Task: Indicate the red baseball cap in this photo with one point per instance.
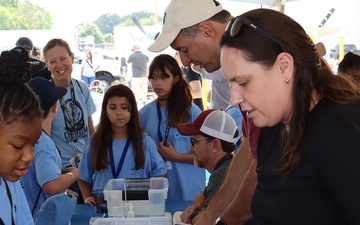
(213, 122)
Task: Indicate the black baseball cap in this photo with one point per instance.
(24, 40)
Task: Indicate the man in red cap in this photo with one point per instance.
(212, 143)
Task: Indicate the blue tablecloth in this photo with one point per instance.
(84, 212)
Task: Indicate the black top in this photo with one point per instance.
(191, 75)
(38, 69)
(325, 187)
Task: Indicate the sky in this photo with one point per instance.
(309, 13)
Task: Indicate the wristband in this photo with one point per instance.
(219, 221)
(71, 174)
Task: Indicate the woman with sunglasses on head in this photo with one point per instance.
(308, 149)
(159, 119)
(73, 124)
(20, 128)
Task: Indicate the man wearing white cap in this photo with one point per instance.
(202, 50)
(212, 143)
(194, 29)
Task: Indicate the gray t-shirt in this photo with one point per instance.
(220, 90)
(139, 63)
(217, 178)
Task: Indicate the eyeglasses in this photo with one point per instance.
(194, 141)
(234, 26)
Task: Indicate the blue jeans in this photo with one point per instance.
(88, 80)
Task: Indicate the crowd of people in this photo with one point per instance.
(280, 140)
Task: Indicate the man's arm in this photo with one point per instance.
(239, 212)
(237, 170)
(197, 205)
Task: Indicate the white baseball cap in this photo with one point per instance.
(213, 122)
(180, 14)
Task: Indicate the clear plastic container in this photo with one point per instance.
(164, 220)
(146, 197)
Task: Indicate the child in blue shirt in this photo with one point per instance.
(118, 148)
(45, 177)
(159, 119)
(20, 128)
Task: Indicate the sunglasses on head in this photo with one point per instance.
(234, 26)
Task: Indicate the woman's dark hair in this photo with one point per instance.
(350, 61)
(17, 102)
(311, 72)
(103, 135)
(180, 99)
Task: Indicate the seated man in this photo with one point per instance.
(212, 143)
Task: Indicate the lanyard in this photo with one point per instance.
(11, 203)
(167, 130)
(71, 116)
(121, 162)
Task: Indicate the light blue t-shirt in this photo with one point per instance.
(185, 180)
(235, 113)
(61, 126)
(45, 167)
(154, 164)
(20, 209)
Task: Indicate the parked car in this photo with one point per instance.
(347, 48)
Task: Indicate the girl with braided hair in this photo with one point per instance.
(20, 128)
(309, 144)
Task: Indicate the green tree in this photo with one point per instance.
(18, 15)
(128, 22)
(8, 18)
(90, 28)
(107, 22)
(35, 17)
(143, 17)
(9, 3)
(147, 21)
(109, 38)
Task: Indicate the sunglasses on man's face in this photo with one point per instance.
(234, 26)
(194, 141)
